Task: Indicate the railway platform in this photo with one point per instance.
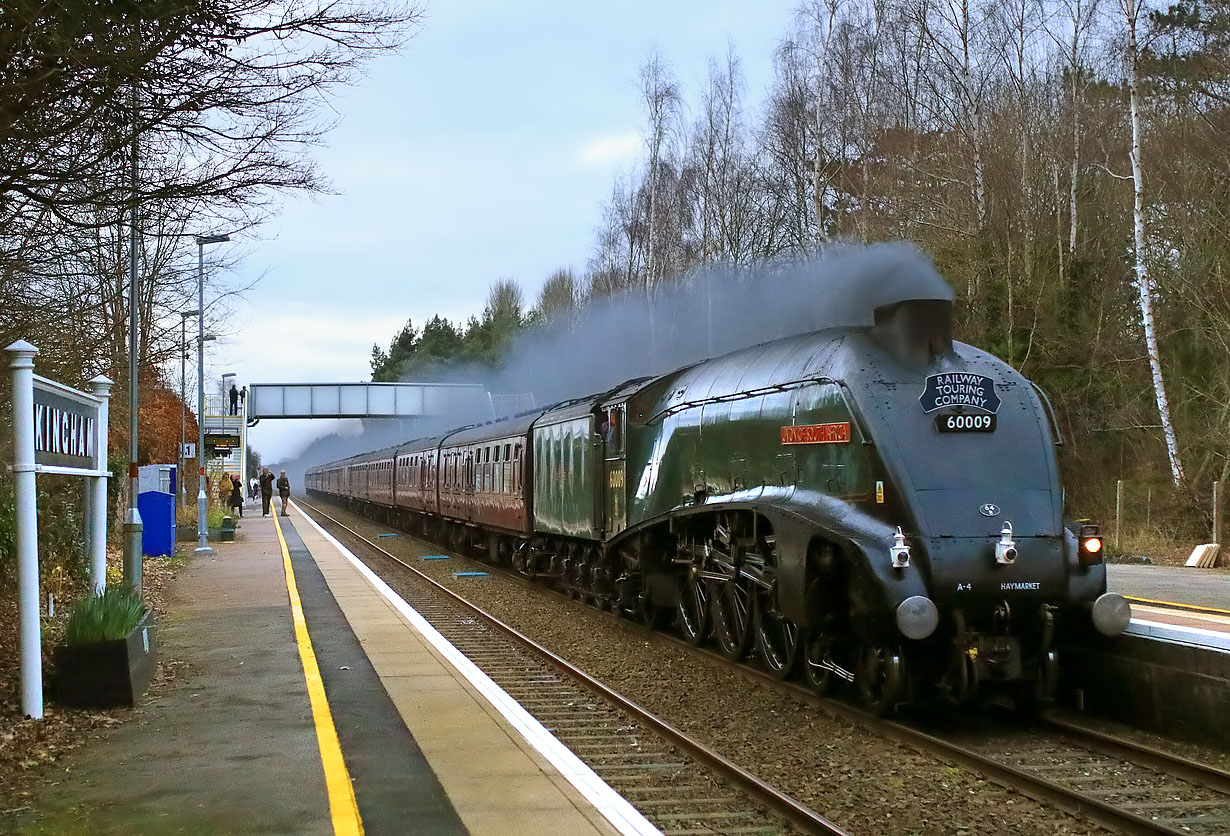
(313, 703)
(1180, 604)
(1170, 671)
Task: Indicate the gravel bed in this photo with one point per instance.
(1219, 758)
(864, 783)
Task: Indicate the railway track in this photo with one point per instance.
(1116, 783)
(682, 786)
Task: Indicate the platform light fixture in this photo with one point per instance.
(202, 499)
(183, 397)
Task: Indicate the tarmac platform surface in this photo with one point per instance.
(1176, 603)
(356, 724)
(1178, 584)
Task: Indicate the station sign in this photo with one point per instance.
(65, 426)
(221, 444)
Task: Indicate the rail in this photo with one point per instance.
(793, 811)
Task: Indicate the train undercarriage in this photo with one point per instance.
(713, 578)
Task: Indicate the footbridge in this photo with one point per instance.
(226, 426)
(365, 400)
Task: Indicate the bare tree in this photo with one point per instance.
(786, 143)
(1079, 19)
(729, 215)
(1131, 10)
(663, 106)
(558, 296)
(228, 88)
(819, 19)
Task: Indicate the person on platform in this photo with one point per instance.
(266, 490)
(284, 492)
(253, 487)
(243, 399)
(237, 497)
(234, 400)
(224, 489)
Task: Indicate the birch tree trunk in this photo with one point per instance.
(820, 16)
(1144, 288)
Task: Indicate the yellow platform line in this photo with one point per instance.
(342, 805)
(1173, 605)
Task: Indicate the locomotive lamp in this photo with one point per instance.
(899, 551)
(1091, 544)
(1005, 549)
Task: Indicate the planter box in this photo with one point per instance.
(185, 534)
(109, 673)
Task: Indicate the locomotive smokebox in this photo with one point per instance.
(915, 331)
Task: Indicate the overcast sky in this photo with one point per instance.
(485, 149)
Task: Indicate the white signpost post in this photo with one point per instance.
(56, 430)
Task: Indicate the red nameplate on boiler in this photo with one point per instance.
(817, 434)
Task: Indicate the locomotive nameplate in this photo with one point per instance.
(965, 423)
(959, 389)
(817, 434)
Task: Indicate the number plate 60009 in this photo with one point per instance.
(965, 423)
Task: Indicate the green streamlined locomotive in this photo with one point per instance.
(878, 504)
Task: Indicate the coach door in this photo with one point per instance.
(616, 456)
(470, 476)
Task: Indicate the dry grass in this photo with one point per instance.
(1161, 549)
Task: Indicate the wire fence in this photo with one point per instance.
(1150, 517)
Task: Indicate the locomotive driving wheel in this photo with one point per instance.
(693, 610)
(732, 617)
(881, 679)
(777, 637)
(730, 594)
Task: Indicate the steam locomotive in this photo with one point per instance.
(876, 504)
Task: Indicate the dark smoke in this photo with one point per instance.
(712, 312)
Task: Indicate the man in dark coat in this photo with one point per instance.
(237, 496)
(234, 400)
(266, 490)
(284, 492)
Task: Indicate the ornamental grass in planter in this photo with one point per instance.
(107, 656)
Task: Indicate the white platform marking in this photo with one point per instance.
(614, 807)
(1174, 633)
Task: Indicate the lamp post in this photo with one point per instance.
(202, 500)
(183, 396)
(227, 378)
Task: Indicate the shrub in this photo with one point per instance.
(105, 617)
